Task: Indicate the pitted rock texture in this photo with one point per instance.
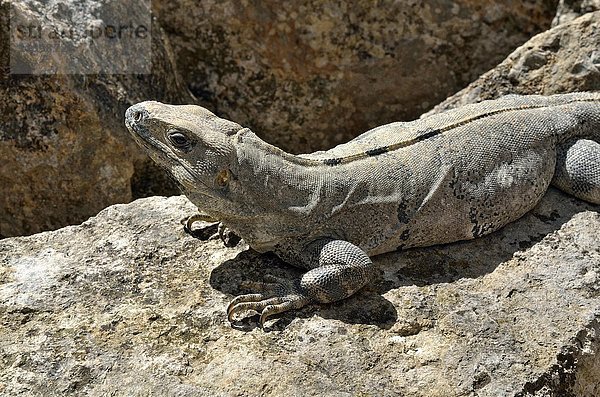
(307, 75)
(571, 9)
(65, 151)
(563, 59)
(127, 304)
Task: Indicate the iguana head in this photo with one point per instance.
(192, 143)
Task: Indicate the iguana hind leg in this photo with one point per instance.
(337, 270)
(578, 169)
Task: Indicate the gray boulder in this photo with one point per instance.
(570, 9)
(65, 151)
(565, 58)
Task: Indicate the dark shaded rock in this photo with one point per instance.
(307, 75)
(65, 151)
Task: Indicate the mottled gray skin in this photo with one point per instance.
(452, 176)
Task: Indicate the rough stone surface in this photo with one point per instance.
(127, 304)
(563, 59)
(570, 9)
(307, 75)
(65, 151)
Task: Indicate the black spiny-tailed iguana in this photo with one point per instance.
(447, 177)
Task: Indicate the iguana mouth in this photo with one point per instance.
(143, 137)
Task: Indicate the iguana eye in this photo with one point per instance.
(179, 140)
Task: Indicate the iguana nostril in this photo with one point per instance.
(138, 116)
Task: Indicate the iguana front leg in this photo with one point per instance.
(337, 270)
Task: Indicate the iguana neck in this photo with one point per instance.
(275, 181)
(266, 183)
(267, 186)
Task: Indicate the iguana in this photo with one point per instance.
(452, 176)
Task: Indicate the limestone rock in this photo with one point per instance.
(65, 151)
(127, 304)
(307, 75)
(565, 58)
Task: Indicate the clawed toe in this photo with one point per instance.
(203, 233)
(212, 231)
(228, 237)
(276, 298)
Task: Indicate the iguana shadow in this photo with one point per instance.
(418, 267)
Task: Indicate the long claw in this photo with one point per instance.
(242, 299)
(271, 310)
(203, 233)
(212, 231)
(198, 218)
(275, 298)
(229, 238)
(257, 306)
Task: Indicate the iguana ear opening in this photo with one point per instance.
(223, 177)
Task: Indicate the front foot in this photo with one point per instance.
(338, 269)
(212, 231)
(228, 237)
(203, 233)
(276, 296)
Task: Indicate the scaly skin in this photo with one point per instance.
(452, 176)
